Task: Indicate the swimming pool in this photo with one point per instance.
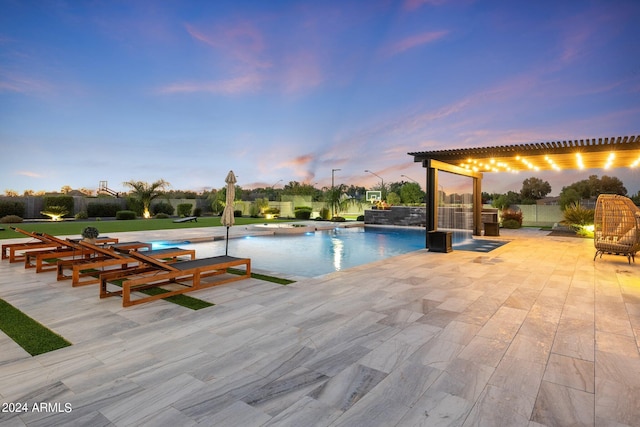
(321, 252)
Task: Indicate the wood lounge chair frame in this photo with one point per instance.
(45, 260)
(616, 226)
(15, 252)
(110, 259)
(154, 273)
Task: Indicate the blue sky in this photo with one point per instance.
(285, 91)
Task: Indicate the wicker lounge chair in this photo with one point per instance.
(111, 259)
(616, 226)
(182, 276)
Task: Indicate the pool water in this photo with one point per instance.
(317, 253)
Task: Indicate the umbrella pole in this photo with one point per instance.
(226, 249)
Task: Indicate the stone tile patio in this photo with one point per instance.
(533, 333)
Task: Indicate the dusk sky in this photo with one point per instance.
(283, 91)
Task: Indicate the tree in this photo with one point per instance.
(505, 200)
(569, 197)
(146, 192)
(332, 198)
(356, 192)
(294, 188)
(612, 185)
(411, 192)
(593, 187)
(534, 189)
(393, 198)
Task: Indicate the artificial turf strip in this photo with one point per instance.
(27, 333)
(183, 300)
(264, 277)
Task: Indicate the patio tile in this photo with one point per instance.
(534, 333)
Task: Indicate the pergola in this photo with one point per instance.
(605, 153)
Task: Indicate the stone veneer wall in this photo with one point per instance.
(397, 215)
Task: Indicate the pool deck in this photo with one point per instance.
(534, 333)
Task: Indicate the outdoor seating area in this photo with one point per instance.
(134, 264)
(616, 226)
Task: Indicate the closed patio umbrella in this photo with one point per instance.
(227, 215)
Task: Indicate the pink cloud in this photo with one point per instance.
(301, 72)
(29, 174)
(411, 5)
(413, 41)
(22, 84)
(242, 42)
(238, 85)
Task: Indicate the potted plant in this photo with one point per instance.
(90, 234)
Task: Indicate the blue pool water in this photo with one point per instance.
(317, 253)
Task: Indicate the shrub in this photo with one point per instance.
(325, 213)
(511, 223)
(393, 199)
(161, 215)
(184, 209)
(512, 215)
(125, 215)
(262, 204)
(81, 215)
(360, 218)
(10, 219)
(60, 203)
(197, 212)
(302, 212)
(338, 219)
(272, 211)
(576, 216)
(254, 210)
(90, 233)
(162, 207)
(135, 205)
(11, 208)
(55, 212)
(237, 213)
(102, 209)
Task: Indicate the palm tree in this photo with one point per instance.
(146, 192)
(337, 200)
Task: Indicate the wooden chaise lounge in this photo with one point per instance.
(154, 273)
(45, 260)
(111, 259)
(16, 252)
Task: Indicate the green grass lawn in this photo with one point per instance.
(72, 227)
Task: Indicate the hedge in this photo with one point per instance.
(11, 208)
(65, 202)
(125, 215)
(102, 209)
